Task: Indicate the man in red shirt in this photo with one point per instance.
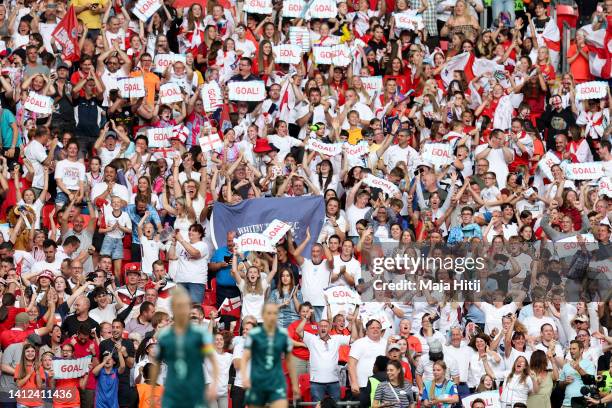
(20, 332)
(85, 345)
(300, 351)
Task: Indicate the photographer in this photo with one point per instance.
(604, 383)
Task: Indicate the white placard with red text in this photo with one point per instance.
(322, 9)
(372, 84)
(132, 87)
(212, 96)
(591, 90)
(300, 36)
(409, 20)
(386, 186)
(357, 150)
(249, 91)
(258, 6)
(72, 368)
(210, 142)
(605, 186)
(584, 171)
(144, 9)
(253, 241)
(339, 55)
(276, 230)
(170, 93)
(341, 295)
(159, 137)
(38, 103)
(287, 54)
(292, 8)
(163, 61)
(490, 398)
(549, 160)
(328, 149)
(569, 246)
(439, 154)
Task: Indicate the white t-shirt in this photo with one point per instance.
(477, 369)
(497, 162)
(107, 156)
(108, 314)
(534, 324)
(247, 47)
(493, 315)
(365, 352)
(516, 391)
(150, 253)
(396, 154)
(284, 145)
(353, 268)
(537, 208)
(111, 81)
(36, 153)
(118, 189)
(71, 173)
(354, 214)
(461, 355)
(54, 267)
(324, 356)
(252, 303)
(315, 278)
(123, 219)
(191, 270)
(237, 354)
(365, 113)
(224, 363)
(119, 38)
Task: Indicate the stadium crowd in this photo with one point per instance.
(423, 134)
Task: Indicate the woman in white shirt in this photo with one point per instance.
(482, 360)
(224, 362)
(253, 287)
(519, 384)
(189, 257)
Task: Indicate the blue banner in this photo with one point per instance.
(254, 215)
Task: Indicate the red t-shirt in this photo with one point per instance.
(301, 352)
(82, 350)
(9, 322)
(13, 336)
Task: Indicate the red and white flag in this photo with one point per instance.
(461, 62)
(66, 35)
(600, 50)
(287, 100)
(231, 304)
(552, 36)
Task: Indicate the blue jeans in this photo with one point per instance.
(499, 6)
(318, 312)
(196, 291)
(319, 390)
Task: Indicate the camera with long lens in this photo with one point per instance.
(591, 387)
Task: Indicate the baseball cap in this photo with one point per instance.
(35, 340)
(132, 267)
(22, 318)
(393, 346)
(63, 65)
(111, 133)
(435, 347)
(47, 274)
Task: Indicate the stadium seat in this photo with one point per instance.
(566, 14)
(46, 210)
